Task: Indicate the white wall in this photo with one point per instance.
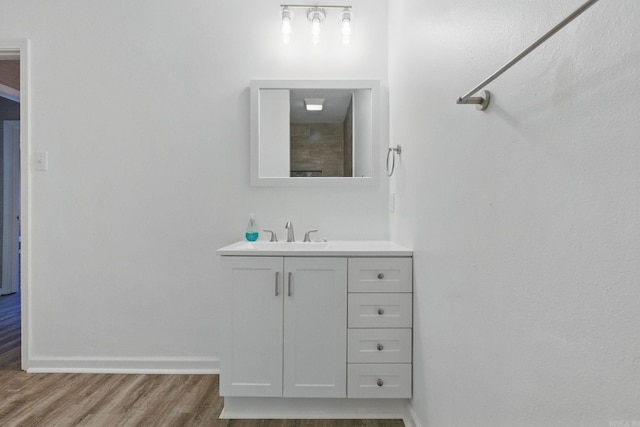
(143, 108)
(524, 218)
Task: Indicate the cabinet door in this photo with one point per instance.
(252, 360)
(315, 327)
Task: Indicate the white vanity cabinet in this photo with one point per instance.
(316, 328)
(286, 334)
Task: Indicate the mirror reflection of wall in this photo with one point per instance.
(321, 132)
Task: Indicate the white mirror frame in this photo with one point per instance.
(257, 85)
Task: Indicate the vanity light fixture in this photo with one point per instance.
(315, 15)
(314, 104)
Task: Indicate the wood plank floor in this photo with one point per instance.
(116, 400)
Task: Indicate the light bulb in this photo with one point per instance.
(315, 27)
(346, 27)
(315, 31)
(346, 31)
(286, 25)
(286, 30)
(345, 18)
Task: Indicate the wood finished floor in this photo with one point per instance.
(107, 400)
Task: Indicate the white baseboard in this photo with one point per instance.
(415, 420)
(302, 408)
(124, 365)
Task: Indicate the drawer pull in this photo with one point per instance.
(380, 347)
(380, 276)
(381, 311)
(380, 382)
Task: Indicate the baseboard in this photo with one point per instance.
(304, 408)
(413, 417)
(124, 365)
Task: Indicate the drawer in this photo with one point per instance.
(379, 380)
(380, 310)
(380, 275)
(379, 346)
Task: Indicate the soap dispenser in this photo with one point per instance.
(252, 229)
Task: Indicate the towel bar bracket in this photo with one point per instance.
(482, 102)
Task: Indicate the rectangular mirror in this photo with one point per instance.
(313, 132)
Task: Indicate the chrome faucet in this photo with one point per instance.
(307, 234)
(274, 238)
(289, 227)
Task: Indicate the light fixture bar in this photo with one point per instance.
(307, 6)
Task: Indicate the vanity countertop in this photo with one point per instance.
(353, 248)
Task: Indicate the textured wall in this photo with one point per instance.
(524, 218)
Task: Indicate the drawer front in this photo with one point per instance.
(380, 275)
(379, 346)
(379, 381)
(380, 310)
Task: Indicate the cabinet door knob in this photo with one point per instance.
(380, 347)
(380, 276)
(380, 382)
(381, 311)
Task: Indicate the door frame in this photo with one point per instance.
(20, 49)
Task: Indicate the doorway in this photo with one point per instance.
(14, 136)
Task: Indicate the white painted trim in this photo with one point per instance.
(415, 420)
(10, 48)
(303, 408)
(124, 365)
(9, 55)
(9, 93)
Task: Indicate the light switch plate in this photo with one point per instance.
(40, 160)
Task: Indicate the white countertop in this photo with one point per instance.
(360, 248)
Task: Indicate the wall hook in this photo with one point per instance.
(393, 150)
